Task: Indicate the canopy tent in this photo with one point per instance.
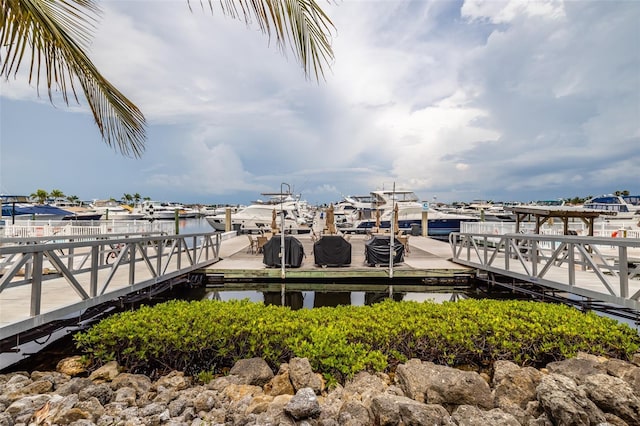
(332, 250)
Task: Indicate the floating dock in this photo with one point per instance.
(426, 263)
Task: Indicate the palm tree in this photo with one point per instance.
(56, 34)
(56, 194)
(41, 195)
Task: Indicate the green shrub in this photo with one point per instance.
(207, 337)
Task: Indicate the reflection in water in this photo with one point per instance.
(317, 299)
(293, 299)
(331, 299)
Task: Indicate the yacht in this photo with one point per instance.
(258, 216)
(617, 206)
(156, 210)
(19, 207)
(112, 210)
(410, 211)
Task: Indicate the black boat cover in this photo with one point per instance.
(293, 252)
(376, 251)
(332, 250)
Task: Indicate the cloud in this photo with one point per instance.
(506, 100)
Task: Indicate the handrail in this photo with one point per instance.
(601, 268)
(98, 270)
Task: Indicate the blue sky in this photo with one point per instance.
(458, 100)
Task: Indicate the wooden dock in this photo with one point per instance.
(427, 262)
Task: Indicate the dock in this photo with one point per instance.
(425, 263)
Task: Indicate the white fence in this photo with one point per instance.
(603, 229)
(33, 228)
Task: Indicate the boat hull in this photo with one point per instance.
(435, 227)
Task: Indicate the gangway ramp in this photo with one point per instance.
(598, 269)
(45, 281)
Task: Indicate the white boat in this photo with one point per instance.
(113, 210)
(410, 211)
(618, 207)
(157, 210)
(259, 215)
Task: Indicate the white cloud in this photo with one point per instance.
(490, 99)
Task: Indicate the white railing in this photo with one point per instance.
(48, 228)
(609, 229)
(599, 268)
(43, 281)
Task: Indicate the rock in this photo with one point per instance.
(175, 381)
(577, 368)
(303, 405)
(302, 376)
(107, 372)
(514, 396)
(565, 403)
(436, 384)
(140, 383)
(72, 366)
(400, 410)
(354, 413)
(280, 384)
(472, 416)
(514, 389)
(255, 371)
(613, 395)
(626, 371)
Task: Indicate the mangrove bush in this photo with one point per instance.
(208, 337)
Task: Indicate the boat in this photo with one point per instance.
(19, 207)
(439, 224)
(157, 210)
(112, 210)
(617, 206)
(410, 212)
(258, 216)
(77, 209)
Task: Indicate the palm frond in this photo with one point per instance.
(55, 35)
(300, 23)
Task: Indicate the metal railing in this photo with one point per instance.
(43, 280)
(600, 268)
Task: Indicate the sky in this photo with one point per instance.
(455, 100)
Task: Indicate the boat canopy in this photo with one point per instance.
(32, 209)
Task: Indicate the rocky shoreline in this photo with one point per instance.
(585, 390)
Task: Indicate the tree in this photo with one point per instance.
(127, 198)
(56, 194)
(40, 195)
(55, 35)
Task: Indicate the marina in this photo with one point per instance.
(56, 275)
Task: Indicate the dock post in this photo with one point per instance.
(425, 223)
